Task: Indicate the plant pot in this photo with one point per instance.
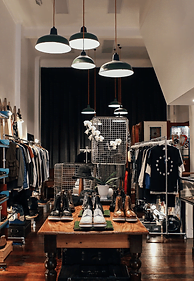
(103, 191)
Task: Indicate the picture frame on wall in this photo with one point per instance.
(154, 129)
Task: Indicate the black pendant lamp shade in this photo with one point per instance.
(83, 40)
(88, 110)
(53, 43)
(83, 62)
(114, 104)
(116, 68)
(120, 111)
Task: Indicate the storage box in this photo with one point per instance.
(5, 251)
(18, 230)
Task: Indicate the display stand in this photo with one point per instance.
(153, 142)
(3, 206)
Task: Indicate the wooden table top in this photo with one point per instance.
(64, 227)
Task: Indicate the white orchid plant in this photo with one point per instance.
(92, 132)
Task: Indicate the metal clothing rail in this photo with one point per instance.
(16, 138)
(156, 141)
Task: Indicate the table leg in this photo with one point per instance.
(135, 263)
(50, 263)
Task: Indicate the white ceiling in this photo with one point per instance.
(99, 19)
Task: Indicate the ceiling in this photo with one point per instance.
(99, 19)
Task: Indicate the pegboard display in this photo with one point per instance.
(112, 147)
(63, 173)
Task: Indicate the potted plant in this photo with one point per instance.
(103, 185)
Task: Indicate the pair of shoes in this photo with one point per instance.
(124, 214)
(92, 213)
(63, 207)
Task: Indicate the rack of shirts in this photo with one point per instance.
(28, 164)
(157, 167)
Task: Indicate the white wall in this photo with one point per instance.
(7, 56)
(165, 28)
(17, 57)
(27, 85)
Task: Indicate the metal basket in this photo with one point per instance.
(111, 128)
(63, 173)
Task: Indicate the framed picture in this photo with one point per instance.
(154, 129)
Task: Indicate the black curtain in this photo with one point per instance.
(64, 94)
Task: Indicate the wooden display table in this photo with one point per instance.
(58, 234)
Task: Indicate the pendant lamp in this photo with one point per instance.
(120, 111)
(114, 103)
(89, 40)
(116, 68)
(88, 109)
(53, 43)
(83, 62)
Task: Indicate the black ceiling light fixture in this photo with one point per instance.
(53, 43)
(116, 68)
(88, 109)
(83, 40)
(83, 61)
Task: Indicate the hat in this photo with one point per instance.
(83, 172)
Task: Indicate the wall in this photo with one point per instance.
(165, 27)
(7, 56)
(27, 85)
(17, 65)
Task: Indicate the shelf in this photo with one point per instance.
(4, 114)
(4, 143)
(6, 198)
(6, 172)
(4, 223)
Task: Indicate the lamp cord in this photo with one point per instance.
(95, 81)
(116, 25)
(83, 21)
(115, 88)
(88, 87)
(53, 13)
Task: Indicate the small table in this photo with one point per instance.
(58, 234)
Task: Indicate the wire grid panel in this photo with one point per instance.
(63, 173)
(111, 128)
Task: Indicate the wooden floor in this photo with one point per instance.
(171, 260)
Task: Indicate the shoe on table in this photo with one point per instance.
(98, 218)
(119, 214)
(66, 214)
(56, 212)
(130, 215)
(71, 205)
(86, 219)
(112, 204)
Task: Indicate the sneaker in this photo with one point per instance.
(66, 211)
(56, 212)
(86, 219)
(98, 218)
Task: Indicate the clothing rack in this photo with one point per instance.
(19, 139)
(153, 142)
